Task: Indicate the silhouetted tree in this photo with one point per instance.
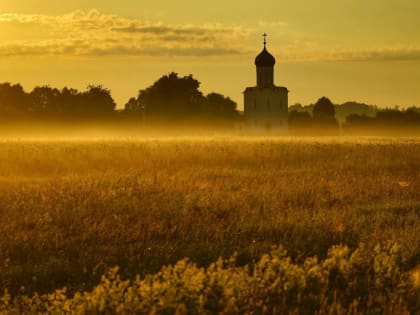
(97, 100)
(348, 108)
(217, 105)
(14, 101)
(299, 119)
(324, 109)
(386, 121)
(324, 116)
(133, 106)
(176, 97)
(300, 122)
(359, 120)
(297, 107)
(44, 100)
(171, 96)
(390, 116)
(69, 101)
(133, 109)
(413, 115)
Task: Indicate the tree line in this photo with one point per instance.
(170, 97)
(175, 98)
(44, 101)
(390, 117)
(322, 117)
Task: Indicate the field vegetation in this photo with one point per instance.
(232, 226)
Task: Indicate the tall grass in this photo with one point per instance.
(70, 210)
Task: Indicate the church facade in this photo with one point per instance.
(266, 105)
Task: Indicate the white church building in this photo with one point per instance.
(266, 105)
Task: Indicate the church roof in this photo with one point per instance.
(265, 59)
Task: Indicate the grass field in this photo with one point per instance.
(71, 210)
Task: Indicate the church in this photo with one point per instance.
(266, 105)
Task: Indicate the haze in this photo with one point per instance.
(367, 51)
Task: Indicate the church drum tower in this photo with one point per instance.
(266, 105)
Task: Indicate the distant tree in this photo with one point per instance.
(414, 109)
(70, 101)
(413, 115)
(299, 119)
(44, 100)
(324, 110)
(396, 117)
(14, 101)
(296, 108)
(98, 100)
(300, 122)
(348, 108)
(217, 105)
(133, 106)
(324, 116)
(172, 96)
(358, 120)
(387, 121)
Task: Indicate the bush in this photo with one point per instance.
(363, 281)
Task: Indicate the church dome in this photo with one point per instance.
(265, 59)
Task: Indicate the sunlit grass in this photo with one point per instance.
(72, 209)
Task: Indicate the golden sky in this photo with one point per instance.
(358, 50)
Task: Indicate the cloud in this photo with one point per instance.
(161, 29)
(276, 25)
(384, 54)
(188, 51)
(92, 33)
(307, 51)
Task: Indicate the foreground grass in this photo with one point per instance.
(360, 282)
(69, 211)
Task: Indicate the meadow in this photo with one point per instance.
(210, 225)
